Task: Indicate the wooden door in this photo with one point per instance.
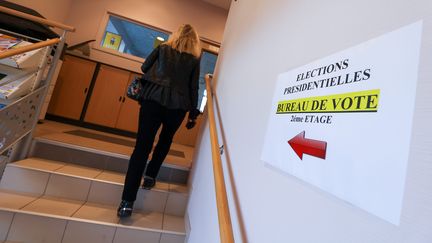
(129, 112)
(107, 96)
(71, 89)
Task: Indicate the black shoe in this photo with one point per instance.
(125, 209)
(149, 182)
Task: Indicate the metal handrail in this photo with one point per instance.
(224, 217)
(31, 47)
(19, 147)
(37, 19)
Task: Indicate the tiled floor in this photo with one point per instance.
(55, 131)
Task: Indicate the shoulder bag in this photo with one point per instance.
(135, 89)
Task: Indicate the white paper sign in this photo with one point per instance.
(343, 123)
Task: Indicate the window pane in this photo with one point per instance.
(208, 63)
(131, 38)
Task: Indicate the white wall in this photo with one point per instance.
(51, 9)
(87, 16)
(266, 38)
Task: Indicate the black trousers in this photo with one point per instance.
(152, 116)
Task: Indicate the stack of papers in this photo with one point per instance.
(18, 73)
(18, 87)
(26, 60)
(7, 42)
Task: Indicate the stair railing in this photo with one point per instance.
(17, 138)
(40, 20)
(225, 225)
(17, 51)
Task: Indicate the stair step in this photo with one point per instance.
(172, 170)
(49, 219)
(62, 180)
(52, 201)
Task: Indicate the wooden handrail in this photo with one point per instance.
(225, 225)
(37, 19)
(31, 47)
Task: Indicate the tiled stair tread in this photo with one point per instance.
(61, 168)
(124, 151)
(178, 188)
(90, 143)
(91, 212)
(173, 223)
(77, 170)
(52, 150)
(22, 179)
(118, 178)
(41, 164)
(55, 206)
(12, 200)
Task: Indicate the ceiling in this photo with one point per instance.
(225, 4)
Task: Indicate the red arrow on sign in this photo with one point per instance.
(302, 145)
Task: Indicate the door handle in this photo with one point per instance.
(123, 99)
(120, 98)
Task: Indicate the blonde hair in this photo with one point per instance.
(185, 39)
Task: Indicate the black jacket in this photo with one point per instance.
(178, 71)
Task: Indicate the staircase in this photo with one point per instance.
(66, 193)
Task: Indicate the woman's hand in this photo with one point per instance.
(190, 124)
(193, 114)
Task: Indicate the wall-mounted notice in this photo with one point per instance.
(343, 123)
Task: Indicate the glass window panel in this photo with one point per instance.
(131, 38)
(138, 40)
(208, 63)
